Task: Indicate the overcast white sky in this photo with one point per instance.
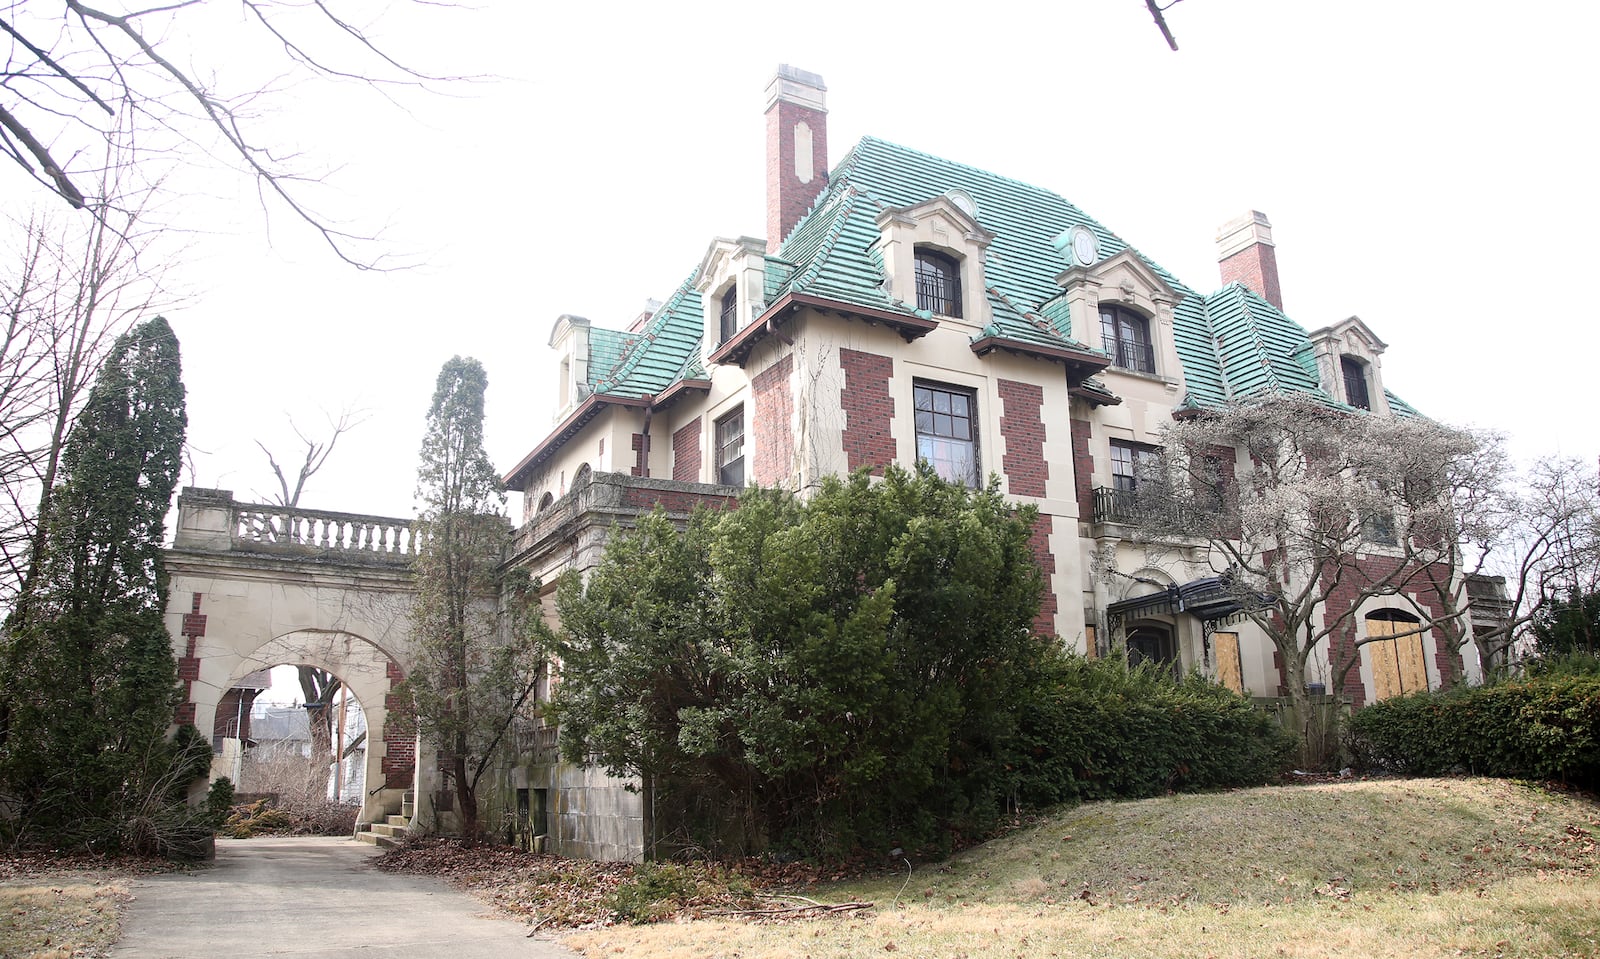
(1429, 167)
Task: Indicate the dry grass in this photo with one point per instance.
(60, 917)
(1415, 869)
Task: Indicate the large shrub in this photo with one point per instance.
(1546, 727)
(1098, 730)
(858, 671)
(823, 675)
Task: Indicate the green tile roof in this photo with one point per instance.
(1232, 343)
(656, 356)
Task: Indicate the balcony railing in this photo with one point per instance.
(1115, 505)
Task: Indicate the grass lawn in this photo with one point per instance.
(60, 915)
(1396, 868)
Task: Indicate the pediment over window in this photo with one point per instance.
(939, 226)
(732, 285)
(1123, 278)
(1353, 336)
(1348, 369)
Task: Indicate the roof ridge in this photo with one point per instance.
(1216, 347)
(846, 205)
(959, 165)
(1262, 353)
(1032, 317)
(634, 352)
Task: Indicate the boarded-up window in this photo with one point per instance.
(1230, 669)
(1398, 665)
(1090, 650)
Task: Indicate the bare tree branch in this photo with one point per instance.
(128, 65)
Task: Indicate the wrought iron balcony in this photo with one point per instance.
(1115, 505)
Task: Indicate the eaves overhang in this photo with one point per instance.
(1094, 395)
(677, 390)
(568, 428)
(1080, 364)
(737, 348)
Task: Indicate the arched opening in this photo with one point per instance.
(246, 705)
(296, 736)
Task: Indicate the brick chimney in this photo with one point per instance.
(1245, 254)
(797, 149)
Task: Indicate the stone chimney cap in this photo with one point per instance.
(1243, 232)
(797, 86)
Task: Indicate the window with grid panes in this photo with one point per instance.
(1126, 335)
(938, 283)
(728, 319)
(947, 431)
(730, 449)
(1355, 382)
(1128, 460)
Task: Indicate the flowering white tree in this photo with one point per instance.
(1307, 512)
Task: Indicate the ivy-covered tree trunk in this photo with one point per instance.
(474, 663)
(91, 683)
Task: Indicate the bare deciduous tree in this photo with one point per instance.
(68, 287)
(1307, 512)
(151, 80)
(320, 687)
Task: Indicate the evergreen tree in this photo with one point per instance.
(90, 683)
(832, 674)
(474, 666)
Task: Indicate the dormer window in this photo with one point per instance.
(728, 317)
(938, 283)
(1126, 336)
(1355, 382)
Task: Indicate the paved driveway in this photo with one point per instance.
(313, 898)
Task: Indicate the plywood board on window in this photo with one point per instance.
(1230, 670)
(1398, 665)
(1090, 649)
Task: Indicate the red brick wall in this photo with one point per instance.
(868, 409)
(1045, 623)
(1256, 267)
(686, 452)
(194, 626)
(676, 500)
(787, 198)
(1022, 427)
(641, 455)
(399, 739)
(772, 423)
(1341, 643)
(1083, 468)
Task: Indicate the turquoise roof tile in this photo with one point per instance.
(657, 355)
(1231, 343)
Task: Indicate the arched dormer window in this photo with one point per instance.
(1126, 336)
(728, 315)
(545, 502)
(1355, 382)
(938, 283)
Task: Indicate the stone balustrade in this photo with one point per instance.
(213, 520)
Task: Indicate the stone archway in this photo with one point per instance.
(254, 586)
(370, 674)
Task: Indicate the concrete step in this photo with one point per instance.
(408, 809)
(377, 839)
(386, 829)
(401, 820)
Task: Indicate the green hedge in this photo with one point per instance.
(1097, 730)
(1542, 728)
